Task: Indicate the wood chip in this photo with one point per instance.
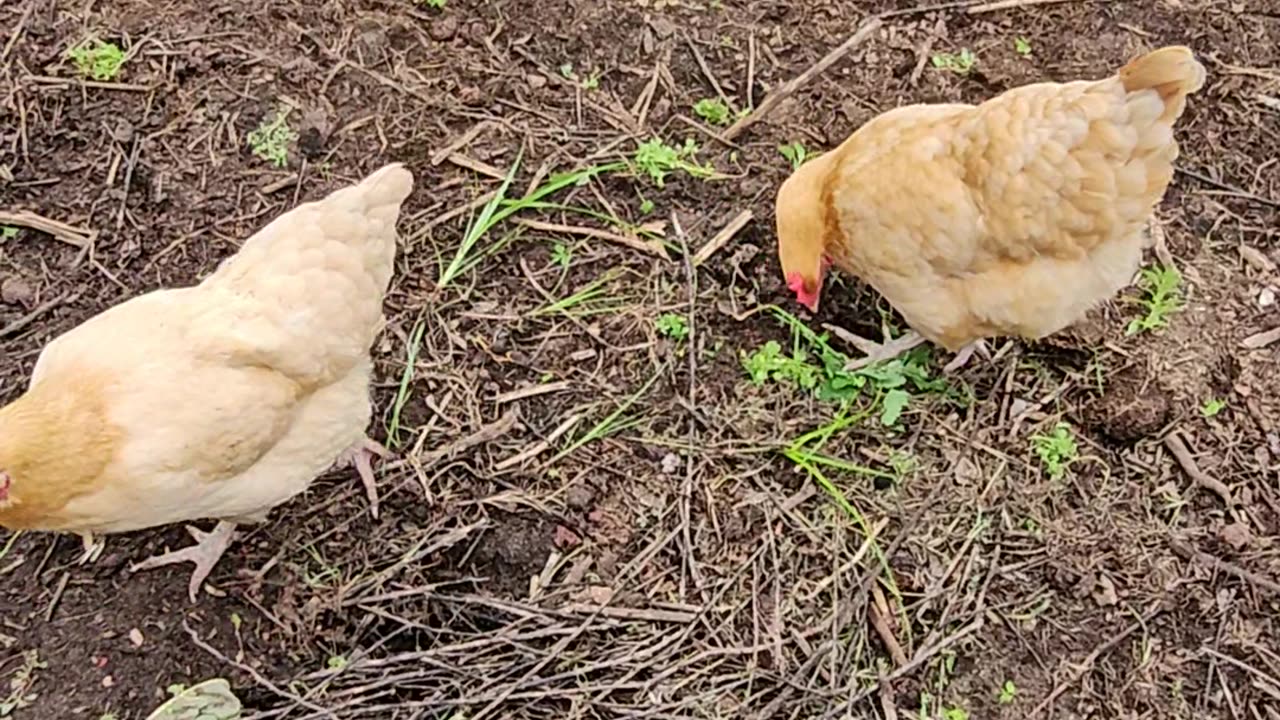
(722, 238)
(1261, 340)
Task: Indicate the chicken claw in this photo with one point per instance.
(966, 352)
(875, 352)
(204, 554)
(92, 548)
(361, 456)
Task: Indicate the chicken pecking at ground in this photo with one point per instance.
(216, 401)
(1013, 217)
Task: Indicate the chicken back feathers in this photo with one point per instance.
(1013, 217)
(220, 400)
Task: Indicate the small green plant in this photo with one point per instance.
(960, 63)
(336, 662)
(646, 206)
(828, 378)
(673, 326)
(1212, 407)
(1161, 298)
(713, 110)
(97, 59)
(795, 153)
(1022, 46)
(955, 713)
(270, 140)
(658, 160)
(561, 254)
(436, 4)
(771, 363)
(8, 232)
(21, 681)
(1007, 693)
(1056, 451)
(590, 82)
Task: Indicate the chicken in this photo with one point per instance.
(221, 400)
(1013, 217)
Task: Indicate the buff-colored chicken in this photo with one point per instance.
(221, 400)
(1013, 217)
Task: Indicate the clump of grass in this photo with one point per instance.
(960, 63)
(657, 159)
(271, 139)
(592, 299)
(1161, 298)
(500, 207)
(672, 325)
(1022, 46)
(406, 382)
(713, 110)
(1056, 450)
(98, 60)
(795, 153)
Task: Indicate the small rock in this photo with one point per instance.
(443, 29)
(108, 681)
(535, 81)
(670, 463)
(1267, 297)
(135, 637)
(1237, 535)
(16, 291)
(1104, 592)
(566, 538)
(579, 497)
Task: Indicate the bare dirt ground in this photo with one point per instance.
(601, 515)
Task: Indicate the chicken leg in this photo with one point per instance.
(204, 554)
(361, 456)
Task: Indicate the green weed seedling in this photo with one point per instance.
(795, 153)
(1056, 451)
(1022, 46)
(270, 140)
(673, 326)
(8, 232)
(960, 63)
(955, 713)
(1007, 693)
(97, 60)
(658, 160)
(435, 4)
(1212, 407)
(713, 110)
(1161, 298)
(406, 382)
(561, 255)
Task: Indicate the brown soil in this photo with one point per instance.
(731, 579)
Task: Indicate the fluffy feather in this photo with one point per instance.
(220, 400)
(1013, 217)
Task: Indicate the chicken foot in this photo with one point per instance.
(361, 455)
(889, 349)
(93, 548)
(966, 353)
(204, 554)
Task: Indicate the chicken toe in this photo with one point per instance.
(204, 554)
(92, 548)
(875, 352)
(962, 358)
(361, 456)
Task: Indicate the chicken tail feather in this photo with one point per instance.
(1173, 72)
